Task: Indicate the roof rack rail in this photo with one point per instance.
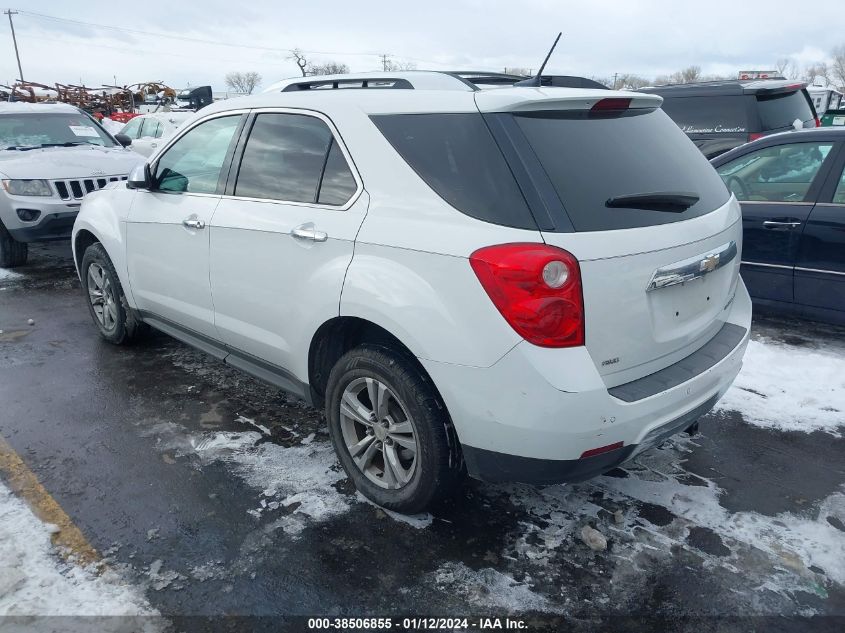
(352, 82)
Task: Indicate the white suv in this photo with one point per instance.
(528, 284)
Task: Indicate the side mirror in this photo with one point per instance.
(124, 140)
(140, 178)
(798, 124)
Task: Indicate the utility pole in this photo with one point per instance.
(385, 60)
(614, 80)
(10, 13)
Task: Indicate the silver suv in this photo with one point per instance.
(51, 156)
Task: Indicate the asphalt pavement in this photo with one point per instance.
(220, 496)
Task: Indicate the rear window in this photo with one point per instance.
(455, 154)
(591, 160)
(708, 115)
(780, 110)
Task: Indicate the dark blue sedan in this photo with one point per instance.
(792, 190)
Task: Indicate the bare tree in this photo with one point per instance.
(393, 66)
(628, 81)
(782, 65)
(837, 67)
(328, 68)
(243, 82)
(299, 57)
(814, 71)
(523, 72)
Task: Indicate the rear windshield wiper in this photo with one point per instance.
(22, 148)
(669, 201)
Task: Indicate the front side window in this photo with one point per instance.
(133, 128)
(150, 129)
(294, 158)
(782, 173)
(34, 130)
(193, 164)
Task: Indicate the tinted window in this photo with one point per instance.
(338, 184)
(780, 110)
(455, 154)
(782, 173)
(593, 159)
(284, 158)
(194, 162)
(708, 115)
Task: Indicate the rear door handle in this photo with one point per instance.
(775, 224)
(308, 231)
(193, 223)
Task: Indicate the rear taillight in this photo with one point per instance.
(818, 122)
(754, 136)
(537, 288)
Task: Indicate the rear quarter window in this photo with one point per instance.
(456, 155)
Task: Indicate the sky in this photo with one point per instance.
(208, 38)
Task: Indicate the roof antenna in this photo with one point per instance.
(535, 80)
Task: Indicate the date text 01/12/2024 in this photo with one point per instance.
(418, 623)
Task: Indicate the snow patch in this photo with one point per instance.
(35, 582)
(245, 420)
(489, 588)
(417, 521)
(300, 478)
(789, 388)
(6, 274)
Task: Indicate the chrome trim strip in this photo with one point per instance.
(830, 204)
(767, 265)
(819, 270)
(801, 203)
(692, 268)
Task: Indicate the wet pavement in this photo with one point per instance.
(219, 495)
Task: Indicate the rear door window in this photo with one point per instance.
(708, 115)
(456, 155)
(593, 159)
(779, 111)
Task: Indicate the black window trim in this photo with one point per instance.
(238, 154)
(227, 161)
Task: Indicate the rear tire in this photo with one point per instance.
(400, 452)
(12, 252)
(107, 303)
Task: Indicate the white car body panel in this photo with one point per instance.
(167, 262)
(397, 255)
(262, 276)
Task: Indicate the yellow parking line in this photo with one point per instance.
(69, 540)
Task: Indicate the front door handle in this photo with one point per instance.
(193, 223)
(308, 231)
(775, 224)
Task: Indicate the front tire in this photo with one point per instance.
(12, 252)
(391, 430)
(106, 300)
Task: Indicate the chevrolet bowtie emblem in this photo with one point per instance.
(709, 263)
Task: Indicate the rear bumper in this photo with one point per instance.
(514, 425)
